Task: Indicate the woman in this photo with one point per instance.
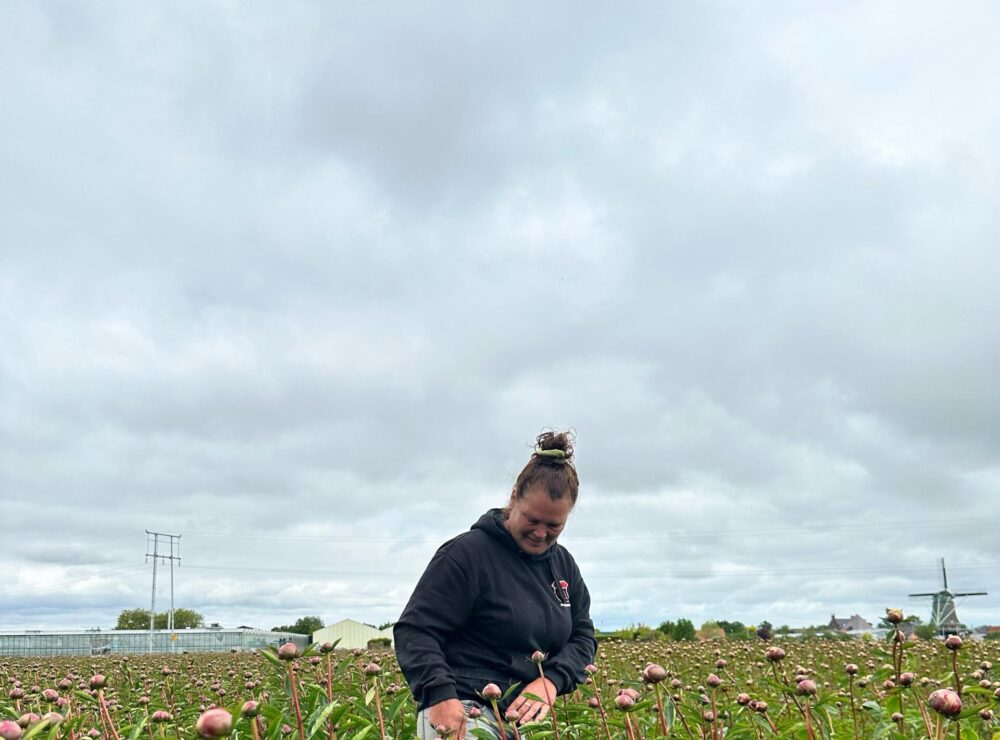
(495, 595)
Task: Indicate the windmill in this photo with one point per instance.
(943, 615)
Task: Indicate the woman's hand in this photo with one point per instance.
(448, 716)
(533, 710)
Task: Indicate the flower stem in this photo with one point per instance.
(295, 700)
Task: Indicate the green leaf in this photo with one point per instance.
(361, 735)
(35, 729)
(138, 729)
(271, 655)
(322, 718)
(369, 696)
(510, 690)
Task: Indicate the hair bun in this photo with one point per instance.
(555, 447)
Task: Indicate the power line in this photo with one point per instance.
(987, 523)
(618, 574)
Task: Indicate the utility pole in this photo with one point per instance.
(156, 558)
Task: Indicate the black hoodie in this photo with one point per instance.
(482, 607)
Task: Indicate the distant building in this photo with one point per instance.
(351, 634)
(854, 624)
(120, 642)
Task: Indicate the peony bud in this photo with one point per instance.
(10, 730)
(713, 681)
(953, 642)
(653, 673)
(624, 702)
(894, 616)
(28, 719)
(250, 709)
(373, 669)
(806, 687)
(537, 657)
(98, 681)
(214, 723)
(288, 651)
(491, 692)
(161, 715)
(946, 702)
(775, 654)
(851, 669)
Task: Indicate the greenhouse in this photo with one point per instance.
(118, 642)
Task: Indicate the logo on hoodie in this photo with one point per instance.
(561, 590)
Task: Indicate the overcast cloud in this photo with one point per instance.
(301, 283)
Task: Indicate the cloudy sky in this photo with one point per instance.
(300, 283)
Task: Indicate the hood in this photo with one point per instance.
(492, 524)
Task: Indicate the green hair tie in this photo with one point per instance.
(558, 456)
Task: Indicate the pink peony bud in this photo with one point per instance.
(624, 702)
(161, 715)
(774, 654)
(851, 669)
(743, 699)
(53, 718)
(653, 673)
(491, 692)
(593, 702)
(590, 668)
(372, 669)
(10, 730)
(475, 712)
(288, 651)
(250, 709)
(214, 723)
(537, 657)
(946, 702)
(906, 679)
(27, 719)
(50, 695)
(326, 647)
(713, 681)
(98, 681)
(953, 642)
(806, 687)
(894, 616)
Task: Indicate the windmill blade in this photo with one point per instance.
(934, 594)
(944, 575)
(972, 593)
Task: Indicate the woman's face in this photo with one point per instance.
(535, 521)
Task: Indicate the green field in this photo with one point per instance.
(714, 689)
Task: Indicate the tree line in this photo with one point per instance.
(138, 619)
